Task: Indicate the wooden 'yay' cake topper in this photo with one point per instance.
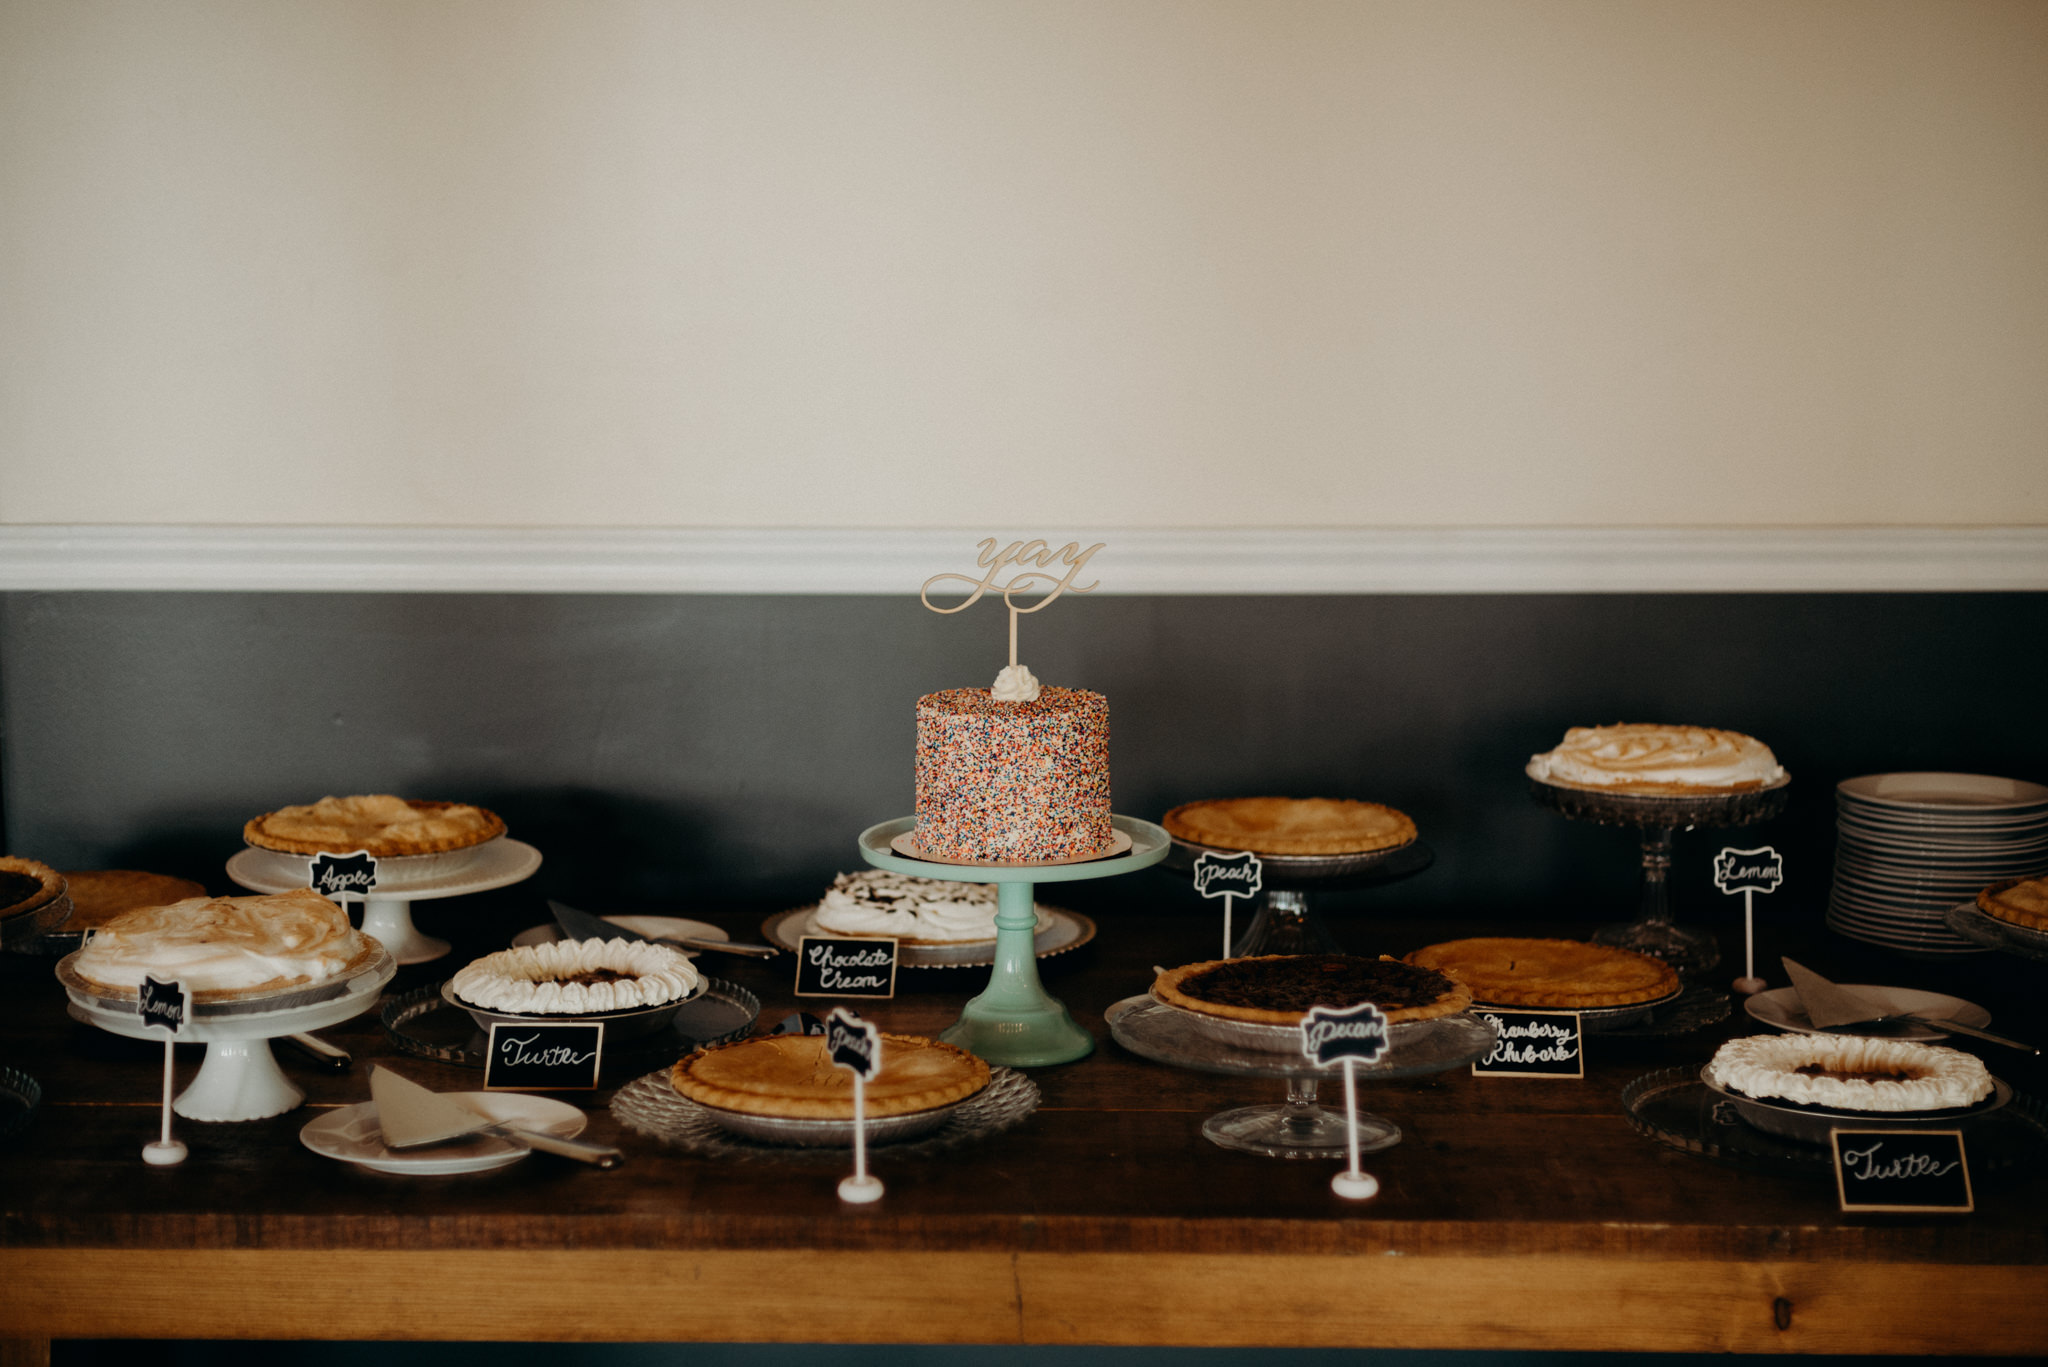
(1071, 557)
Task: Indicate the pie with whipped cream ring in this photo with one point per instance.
(793, 1076)
(2018, 901)
(577, 978)
(1291, 825)
(1279, 989)
(1658, 760)
(384, 826)
(1561, 974)
(1850, 1073)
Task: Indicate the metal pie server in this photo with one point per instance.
(1830, 1006)
(581, 925)
(411, 1115)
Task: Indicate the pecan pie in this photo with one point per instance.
(1278, 989)
(384, 826)
(2022, 901)
(1291, 825)
(1565, 974)
(26, 885)
(793, 1076)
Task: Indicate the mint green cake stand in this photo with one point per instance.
(1015, 1022)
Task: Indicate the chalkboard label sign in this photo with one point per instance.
(852, 967)
(1532, 1044)
(853, 1044)
(331, 875)
(1329, 1034)
(1228, 875)
(1902, 1171)
(163, 1006)
(1757, 870)
(544, 1058)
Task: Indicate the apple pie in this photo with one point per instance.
(1291, 825)
(1563, 974)
(2021, 901)
(1278, 989)
(384, 826)
(792, 1076)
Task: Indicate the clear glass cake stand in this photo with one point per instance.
(1297, 1127)
(1658, 820)
(1015, 1021)
(1287, 922)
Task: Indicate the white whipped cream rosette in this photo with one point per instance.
(1642, 755)
(223, 944)
(547, 979)
(880, 902)
(1850, 1072)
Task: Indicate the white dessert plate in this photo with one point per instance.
(653, 927)
(351, 1135)
(1780, 1009)
(1944, 792)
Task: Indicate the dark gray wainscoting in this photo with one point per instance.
(665, 749)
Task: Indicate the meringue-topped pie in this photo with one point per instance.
(1291, 825)
(1656, 760)
(225, 948)
(793, 1076)
(1564, 974)
(1278, 989)
(378, 823)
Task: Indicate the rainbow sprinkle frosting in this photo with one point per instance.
(1013, 782)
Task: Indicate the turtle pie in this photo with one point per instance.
(1652, 759)
(1291, 825)
(577, 978)
(793, 1076)
(1850, 1072)
(1566, 974)
(99, 895)
(26, 885)
(384, 826)
(1278, 989)
(2021, 901)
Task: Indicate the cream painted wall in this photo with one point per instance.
(1075, 262)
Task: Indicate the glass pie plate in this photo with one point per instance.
(1810, 1124)
(837, 1132)
(630, 1023)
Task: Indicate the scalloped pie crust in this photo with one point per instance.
(1278, 989)
(1291, 825)
(792, 1076)
(1565, 974)
(386, 827)
(2019, 901)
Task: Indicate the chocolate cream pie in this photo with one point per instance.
(384, 826)
(1850, 1073)
(1291, 825)
(793, 1076)
(1278, 989)
(1565, 975)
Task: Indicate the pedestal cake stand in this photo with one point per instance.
(1298, 1127)
(1015, 1022)
(387, 912)
(1658, 820)
(240, 1079)
(1286, 922)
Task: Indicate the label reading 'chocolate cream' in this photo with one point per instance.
(852, 967)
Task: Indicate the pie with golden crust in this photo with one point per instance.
(1278, 989)
(1291, 825)
(385, 826)
(1566, 974)
(27, 885)
(2021, 901)
(99, 895)
(794, 1076)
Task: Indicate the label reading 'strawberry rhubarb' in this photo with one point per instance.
(1532, 1044)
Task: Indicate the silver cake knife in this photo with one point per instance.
(1831, 1006)
(581, 925)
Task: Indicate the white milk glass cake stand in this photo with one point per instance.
(239, 1079)
(1297, 1127)
(401, 881)
(1015, 1022)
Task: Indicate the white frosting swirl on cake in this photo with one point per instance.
(1015, 684)
(541, 980)
(223, 944)
(880, 902)
(1850, 1072)
(1642, 754)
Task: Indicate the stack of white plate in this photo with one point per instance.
(1911, 846)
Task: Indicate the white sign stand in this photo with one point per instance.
(856, 1045)
(1749, 872)
(164, 1151)
(1353, 1184)
(1212, 869)
(1328, 1035)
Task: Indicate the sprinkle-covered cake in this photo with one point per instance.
(1003, 780)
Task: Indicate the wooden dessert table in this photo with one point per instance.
(1515, 1213)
